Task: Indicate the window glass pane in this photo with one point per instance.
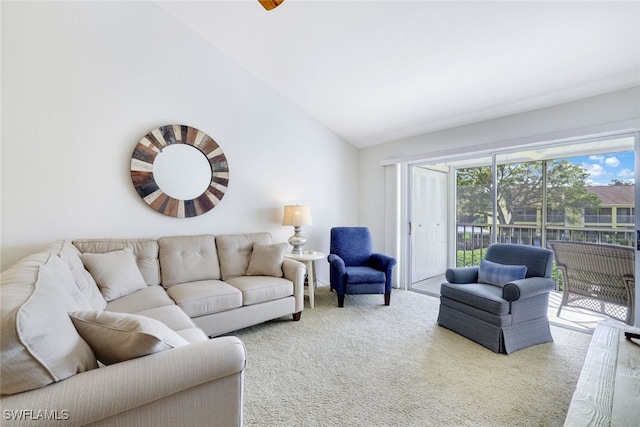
(474, 208)
(519, 204)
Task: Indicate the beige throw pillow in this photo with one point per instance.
(39, 343)
(266, 260)
(116, 337)
(116, 273)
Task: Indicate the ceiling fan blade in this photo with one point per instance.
(270, 4)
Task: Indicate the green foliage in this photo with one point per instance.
(519, 188)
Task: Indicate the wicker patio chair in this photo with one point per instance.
(597, 277)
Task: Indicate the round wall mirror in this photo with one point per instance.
(179, 171)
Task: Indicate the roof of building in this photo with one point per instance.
(614, 195)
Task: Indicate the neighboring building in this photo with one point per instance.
(616, 207)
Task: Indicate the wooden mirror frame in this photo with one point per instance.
(145, 184)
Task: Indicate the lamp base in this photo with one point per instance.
(297, 241)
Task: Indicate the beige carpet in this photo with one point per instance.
(371, 365)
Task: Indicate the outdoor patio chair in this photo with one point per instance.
(597, 277)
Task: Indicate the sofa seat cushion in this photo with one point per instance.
(193, 335)
(258, 289)
(144, 299)
(362, 274)
(116, 337)
(170, 315)
(39, 344)
(479, 295)
(205, 297)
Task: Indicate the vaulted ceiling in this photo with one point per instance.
(377, 71)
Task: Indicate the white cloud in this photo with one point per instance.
(598, 159)
(614, 162)
(626, 173)
(594, 170)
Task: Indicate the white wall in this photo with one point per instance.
(566, 118)
(83, 82)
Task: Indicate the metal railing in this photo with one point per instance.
(473, 239)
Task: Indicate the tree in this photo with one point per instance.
(618, 183)
(520, 188)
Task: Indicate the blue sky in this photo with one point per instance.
(604, 168)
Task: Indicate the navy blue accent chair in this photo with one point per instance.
(353, 266)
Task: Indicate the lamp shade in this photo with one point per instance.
(297, 215)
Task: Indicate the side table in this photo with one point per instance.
(308, 258)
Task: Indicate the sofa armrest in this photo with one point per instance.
(462, 275)
(526, 288)
(127, 393)
(295, 271)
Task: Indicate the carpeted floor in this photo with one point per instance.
(371, 365)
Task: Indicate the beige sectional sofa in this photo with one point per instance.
(116, 331)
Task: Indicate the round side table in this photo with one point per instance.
(308, 258)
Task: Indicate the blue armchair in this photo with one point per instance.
(354, 268)
(501, 304)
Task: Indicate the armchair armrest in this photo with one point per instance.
(336, 262)
(462, 275)
(336, 273)
(295, 271)
(526, 288)
(149, 391)
(382, 262)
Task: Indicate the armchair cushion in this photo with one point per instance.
(364, 274)
(496, 274)
(478, 295)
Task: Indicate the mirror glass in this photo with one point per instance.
(182, 171)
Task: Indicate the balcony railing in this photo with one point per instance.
(473, 239)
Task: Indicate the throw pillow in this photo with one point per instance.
(116, 273)
(266, 260)
(116, 337)
(496, 274)
(40, 346)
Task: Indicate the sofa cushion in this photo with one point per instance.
(266, 260)
(116, 273)
(84, 280)
(145, 250)
(115, 337)
(234, 252)
(170, 315)
(496, 274)
(39, 344)
(193, 335)
(205, 297)
(257, 289)
(144, 299)
(188, 259)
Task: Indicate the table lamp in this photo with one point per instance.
(297, 216)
